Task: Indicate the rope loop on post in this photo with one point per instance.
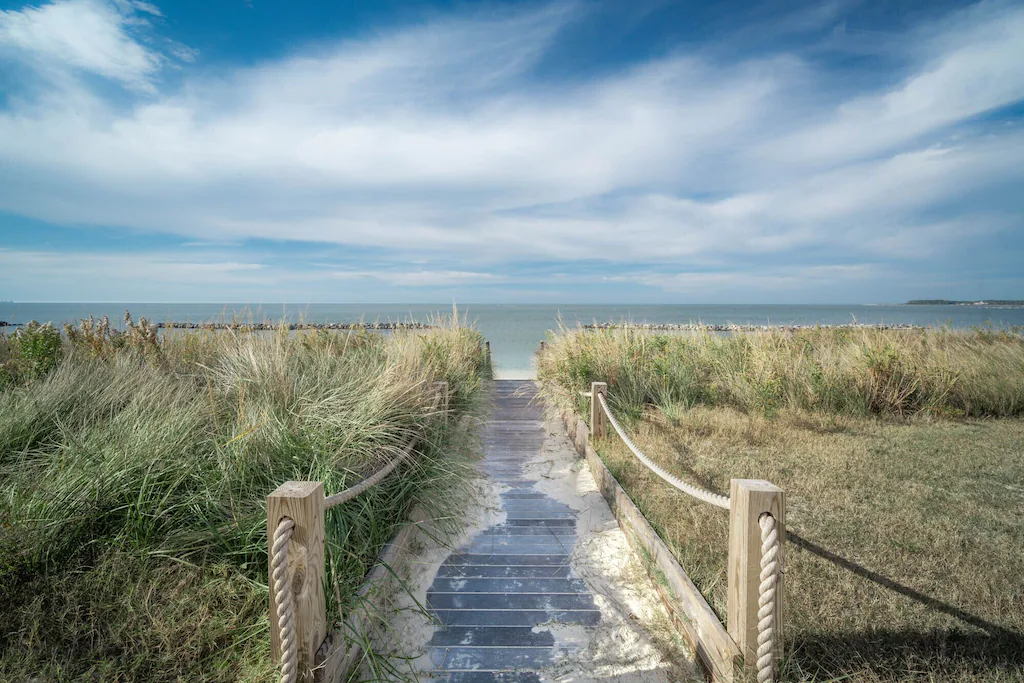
(766, 598)
(284, 599)
(695, 491)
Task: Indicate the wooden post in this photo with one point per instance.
(303, 502)
(597, 418)
(487, 347)
(750, 498)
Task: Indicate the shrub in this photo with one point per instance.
(31, 352)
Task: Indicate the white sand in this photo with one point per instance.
(620, 647)
(410, 627)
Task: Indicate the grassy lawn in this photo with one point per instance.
(908, 534)
(134, 471)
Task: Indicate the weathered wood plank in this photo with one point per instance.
(342, 649)
(715, 649)
(303, 502)
(511, 601)
(497, 617)
(750, 498)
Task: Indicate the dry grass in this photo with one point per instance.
(133, 478)
(863, 371)
(909, 534)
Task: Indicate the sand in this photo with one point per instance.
(633, 642)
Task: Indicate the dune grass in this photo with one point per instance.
(905, 503)
(133, 478)
(859, 371)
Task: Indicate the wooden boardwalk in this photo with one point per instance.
(508, 579)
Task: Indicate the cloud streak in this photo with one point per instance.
(440, 139)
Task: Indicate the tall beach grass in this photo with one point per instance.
(902, 457)
(134, 471)
(855, 371)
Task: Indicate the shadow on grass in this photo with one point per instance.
(893, 654)
(936, 651)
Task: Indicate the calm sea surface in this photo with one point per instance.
(515, 330)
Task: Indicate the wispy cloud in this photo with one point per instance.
(439, 138)
(421, 278)
(78, 36)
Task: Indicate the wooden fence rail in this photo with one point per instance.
(749, 501)
(317, 644)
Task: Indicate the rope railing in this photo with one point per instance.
(353, 491)
(695, 491)
(753, 628)
(282, 587)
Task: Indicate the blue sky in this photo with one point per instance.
(645, 151)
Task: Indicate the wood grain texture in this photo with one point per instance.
(598, 420)
(750, 498)
(303, 502)
(715, 649)
(342, 649)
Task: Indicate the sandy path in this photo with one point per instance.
(542, 585)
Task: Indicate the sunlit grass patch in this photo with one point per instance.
(907, 521)
(133, 479)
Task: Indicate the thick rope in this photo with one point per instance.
(766, 599)
(284, 600)
(695, 491)
(350, 493)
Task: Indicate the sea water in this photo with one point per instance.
(516, 330)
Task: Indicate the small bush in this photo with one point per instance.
(31, 352)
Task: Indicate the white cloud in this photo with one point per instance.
(421, 278)
(83, 35)
(978, 72)
(59, 275)
(756, 279)
(435, 140)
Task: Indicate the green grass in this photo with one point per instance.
(947, 372)
(133, 478)
(909, 539)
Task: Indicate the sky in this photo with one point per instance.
(486, 152)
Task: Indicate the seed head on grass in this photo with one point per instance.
(134, 476)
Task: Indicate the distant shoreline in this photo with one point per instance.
(991, 303)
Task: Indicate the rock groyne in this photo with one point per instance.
(272, 326)
(732, 327)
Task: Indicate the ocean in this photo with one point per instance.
(515, 330)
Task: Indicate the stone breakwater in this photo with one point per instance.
(271, 326)
(731, 327)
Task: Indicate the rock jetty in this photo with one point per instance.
(732, 327)
(272, 326)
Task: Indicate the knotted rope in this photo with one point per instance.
(284, 599)
(695, 491)
(766, 598)
(282, 587)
